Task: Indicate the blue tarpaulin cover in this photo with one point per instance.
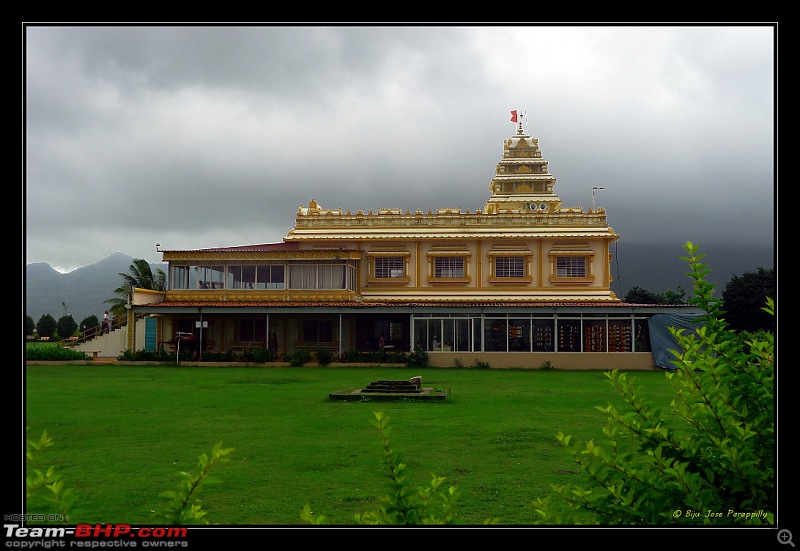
(662, 341)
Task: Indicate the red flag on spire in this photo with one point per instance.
(514, 116)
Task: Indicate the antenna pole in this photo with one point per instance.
(593, 190)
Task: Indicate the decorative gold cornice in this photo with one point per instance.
(566, 217)
(261, 295)
(198, 257)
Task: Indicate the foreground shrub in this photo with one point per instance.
(404, 504)
(183, 506)
(143, 355)
(324, 356)
(53, 353)
(48, 482)
(300, 357)
(417, 358)
(714, 457)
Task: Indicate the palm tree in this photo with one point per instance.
(140, 275)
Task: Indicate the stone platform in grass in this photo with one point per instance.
(411, 389)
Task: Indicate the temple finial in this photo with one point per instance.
(518, 116)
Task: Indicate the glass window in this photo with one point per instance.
(389, 267)
(302, 276)
(509, 266)
(448, 334)
(619, 336)
(331, 276)
(179, 277)
(543, 335)
(448, 267)
(462, 335)
(519, 335)
(210, 277)
(270, 276)
(325, 275)
(642, 336)
(253, 330)
(421, 334)
(395, 331)
(569, 335)
(316, 331)
(594, 336)
(496, 336)
(571, 266)
(248, 277)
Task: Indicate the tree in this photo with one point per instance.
(674, 297)
(743, 299)
(66, 326)
(90, 325)
(715, 455)
(638, 295)
(46, 326)
(140, 275)
(29, 325)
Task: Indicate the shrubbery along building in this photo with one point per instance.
(523, 282)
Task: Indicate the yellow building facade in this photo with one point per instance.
(522, 282)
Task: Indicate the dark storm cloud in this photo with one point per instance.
(213, 136)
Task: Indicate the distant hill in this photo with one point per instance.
(83, 291)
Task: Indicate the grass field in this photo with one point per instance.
(123, 433)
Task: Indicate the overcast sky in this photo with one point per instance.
(200, 137)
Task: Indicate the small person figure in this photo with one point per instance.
(382, 342)
(106, 323)
(273, 342)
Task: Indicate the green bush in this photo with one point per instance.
(300, 357)
(227, 356)
(183, 506)
(324, 356)
(48, 482)
(417, 358)
(259, 355)
(143, 355)
(53, 353)
(353, 356)
(709, 462)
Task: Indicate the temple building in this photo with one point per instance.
(522, 282)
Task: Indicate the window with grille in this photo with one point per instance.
(448, 267)
(509, 266)
(391, 266)
(316, 331)
(253, 329)
(571, 266)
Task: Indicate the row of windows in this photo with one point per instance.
(255, 330)
(531, 335)
(339, 275)
(289, 275)
(511, 333)
(504, 267)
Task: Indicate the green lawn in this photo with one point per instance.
(123, 433)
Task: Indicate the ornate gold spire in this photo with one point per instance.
(522, 182)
